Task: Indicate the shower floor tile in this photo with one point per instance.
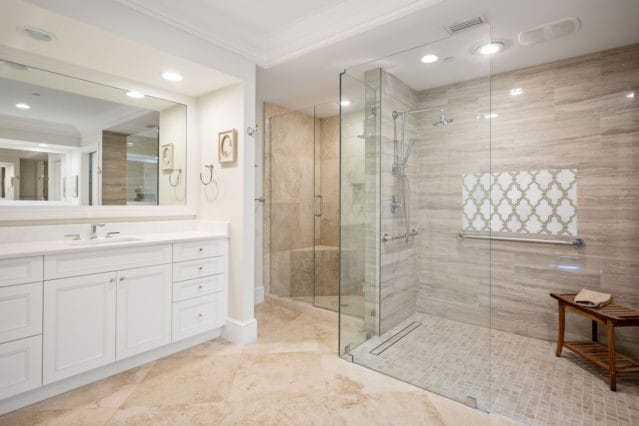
(507, 374)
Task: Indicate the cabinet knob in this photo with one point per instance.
(112, 280)
(200, 287)
(199, 316)
(199, 268)
(201, 249)
(121, 278)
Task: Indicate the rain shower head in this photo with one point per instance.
(443, 122)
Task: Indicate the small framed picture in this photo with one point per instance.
(227, 146)
(166, 157)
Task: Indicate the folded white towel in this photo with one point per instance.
(592, 299)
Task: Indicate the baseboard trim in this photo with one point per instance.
(52, 389)
(259, 295)
(240, 332)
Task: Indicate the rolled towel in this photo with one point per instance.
(592, 299)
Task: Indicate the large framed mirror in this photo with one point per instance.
(67, 141)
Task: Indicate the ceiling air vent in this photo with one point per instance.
(461, 26)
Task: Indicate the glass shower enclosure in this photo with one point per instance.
(302, 199)
(415, 173)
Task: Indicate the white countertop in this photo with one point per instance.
(48, 247)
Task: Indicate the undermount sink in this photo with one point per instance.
(100, 241)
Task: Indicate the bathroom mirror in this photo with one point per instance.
(66, 141)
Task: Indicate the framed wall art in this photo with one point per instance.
(227, 146)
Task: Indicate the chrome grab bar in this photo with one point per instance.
(577, 242)
(387, 237)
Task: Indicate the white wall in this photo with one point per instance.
(173, 131)
(227, 197)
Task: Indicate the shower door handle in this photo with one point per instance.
(318, 205)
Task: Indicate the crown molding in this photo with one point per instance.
(312, 32)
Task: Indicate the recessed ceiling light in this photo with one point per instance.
(43, 145)
(22, 106)
(630, 95)
(429, 59)
(516, 91)
(172, 76)
(490, 48)
(37, 34)
(135, 94)
(345, 103)
(490, 115)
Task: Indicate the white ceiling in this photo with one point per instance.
(314, 78)
(302, 46)
(88, 46)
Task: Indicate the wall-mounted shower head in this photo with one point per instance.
(443, 121)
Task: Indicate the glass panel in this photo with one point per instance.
(290, 204)
(434, 289)
(359, 215)
(326, 206)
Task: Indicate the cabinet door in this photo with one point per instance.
(79, 325)
(143, 309)
(20, 366)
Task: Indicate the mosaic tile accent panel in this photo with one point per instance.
(526, 202)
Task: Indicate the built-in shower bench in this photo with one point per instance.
(612, 316)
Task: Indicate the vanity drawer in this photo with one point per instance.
(193, 288)
(199, 268)
(97, 261)
(20, 271)
(20, 366)
(199, 250)
(198, 315)
(20, 311)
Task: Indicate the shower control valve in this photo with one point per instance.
(395, 204)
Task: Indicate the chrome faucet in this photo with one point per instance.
(94, 230)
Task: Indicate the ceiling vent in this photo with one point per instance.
(462, 26)
(549, 31)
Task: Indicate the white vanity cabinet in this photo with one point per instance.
(143, 310)
(75, 311)
(79, 324)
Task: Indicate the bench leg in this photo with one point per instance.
(561, 328)
(612, 356)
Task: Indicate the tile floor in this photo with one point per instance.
(521, 378)
(290, 376)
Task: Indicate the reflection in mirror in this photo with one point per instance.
(69, 141)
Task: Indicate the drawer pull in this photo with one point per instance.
(200, 287)
(201, 249)
(199, 316)
(199, 268)
(112, 280)
(121, 278)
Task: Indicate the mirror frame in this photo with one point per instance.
(36, 212)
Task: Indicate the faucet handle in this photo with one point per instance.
(112, 233)
(74, 236)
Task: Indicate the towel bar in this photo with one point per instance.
(577, 242)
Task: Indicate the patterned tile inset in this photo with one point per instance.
(526, 202)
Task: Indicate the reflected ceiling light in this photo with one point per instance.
(37, 34)
(490, 48)
(516, 91)
(22, 106)
(630, 95)
(43, 145)
(135, 94)
(490, 115)
(172, 76)
(429, 59)
(345, 103)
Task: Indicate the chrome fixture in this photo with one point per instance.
(179, 176)
(402, 154)
(387, 237)
(252, 131)
(577, 242)
(73, 236)
(210, 179)
(94, 230)
(112, 233)
(260, 200)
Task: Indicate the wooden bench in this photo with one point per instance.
(612, 316)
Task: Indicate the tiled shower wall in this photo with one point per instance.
(574, 115)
